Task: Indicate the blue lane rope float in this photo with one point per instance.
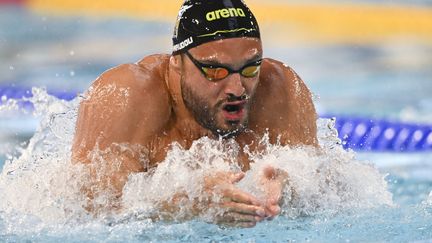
(361, 134)
(383, 136)
(8, 92)
(19, 92)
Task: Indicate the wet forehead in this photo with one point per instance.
(235, 50)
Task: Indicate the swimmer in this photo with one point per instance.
(215, 84)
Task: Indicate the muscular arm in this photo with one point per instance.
(125, 107)
(284, 106)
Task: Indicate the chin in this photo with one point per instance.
(231, 129)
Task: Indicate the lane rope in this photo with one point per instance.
(365, 134)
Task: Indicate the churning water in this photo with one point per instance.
(331, 194)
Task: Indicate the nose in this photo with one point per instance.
(234, 86)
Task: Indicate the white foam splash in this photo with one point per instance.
(320, 180)
(39, 183)
(43, 185)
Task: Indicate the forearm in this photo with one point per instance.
(105, 173)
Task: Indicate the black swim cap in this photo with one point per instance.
(201, 21)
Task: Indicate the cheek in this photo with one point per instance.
(251, 85)
(203, 87)
(214, 88)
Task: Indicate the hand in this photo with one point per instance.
(273, 183)
(235, 207)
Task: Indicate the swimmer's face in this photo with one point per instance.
(218, 103)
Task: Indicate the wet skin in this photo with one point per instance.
(164, 99)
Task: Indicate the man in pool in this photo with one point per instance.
(215, 84)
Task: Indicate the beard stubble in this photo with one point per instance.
(205, 114)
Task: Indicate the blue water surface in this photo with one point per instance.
(405, 224)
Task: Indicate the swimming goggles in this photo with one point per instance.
(216, 73)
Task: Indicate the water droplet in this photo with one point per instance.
(11, 67)
(71, 53)
(72, 73)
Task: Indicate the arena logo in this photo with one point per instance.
(225, 13)
(183, 44)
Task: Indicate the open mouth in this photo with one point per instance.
(234, 111)
(232, 108)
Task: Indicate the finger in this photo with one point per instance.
(244, 209)
(272, 207)
(232, 217)
(281, 174)
(272, 173)
(273, 210)
(277, 188)
(239, 225)
(236, 177)
(236, 195)
(269, 172)
(245, 225)
(275, 197)
(273, 193)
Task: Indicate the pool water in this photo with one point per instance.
(353, 227)
(389, 80)
(39, 203)
(405, 223)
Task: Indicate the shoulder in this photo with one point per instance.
(147, 73)
(133, 81)
(131, 96)
(279, 75)
(126, 104)
(279, 80)
(283, 104)
(282, 81)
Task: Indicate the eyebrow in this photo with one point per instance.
(211, 61)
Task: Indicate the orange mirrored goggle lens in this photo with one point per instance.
(250, 71)
(219, 73)
(215, 73)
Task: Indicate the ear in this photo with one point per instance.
(176, 63)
